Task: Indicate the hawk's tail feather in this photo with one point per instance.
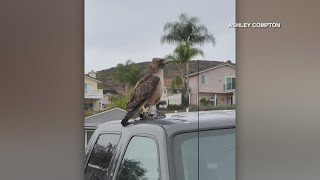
(126, 118)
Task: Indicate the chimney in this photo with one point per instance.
(93, 74)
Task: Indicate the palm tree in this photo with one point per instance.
(187, 30)
(182, 54)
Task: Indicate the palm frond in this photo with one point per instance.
(187, 29)
(195, 52)
(170, 39)
(203, 39)
(168, 26)
(171, 58)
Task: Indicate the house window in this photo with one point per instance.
(230, 83)
(204, 79)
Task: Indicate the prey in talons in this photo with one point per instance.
(150, 112)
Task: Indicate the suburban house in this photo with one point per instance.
(92, 122)
(217, 84)
(92, 95)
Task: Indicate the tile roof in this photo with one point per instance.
(218, 63)
(92, 78)
(110, 91)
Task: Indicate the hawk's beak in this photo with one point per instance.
(165, 61)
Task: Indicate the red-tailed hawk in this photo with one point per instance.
(147, 92)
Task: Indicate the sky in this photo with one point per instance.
(118, 30)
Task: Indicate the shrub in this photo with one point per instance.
(161, 103)
(212, 107)
(88, 113)
(173, 107)
(88, 106)
(118, 101)
(204, 101)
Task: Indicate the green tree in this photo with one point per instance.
(189, 31)
(181, 55)
(119, 101)
(128, 73)
(176, 84)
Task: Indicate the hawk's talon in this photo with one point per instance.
(144, 109)
(147, 115)
(159, 114)
(144, 115)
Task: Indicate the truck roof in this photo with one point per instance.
(177, 122)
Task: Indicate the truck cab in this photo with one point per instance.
(181, 146)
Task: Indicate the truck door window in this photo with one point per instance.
(140, 160)
(100, 157)
(216, 155)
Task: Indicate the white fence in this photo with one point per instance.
(93, 94)
(175, 99)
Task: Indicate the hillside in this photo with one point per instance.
(170, 71)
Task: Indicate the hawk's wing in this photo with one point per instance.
(142, 91)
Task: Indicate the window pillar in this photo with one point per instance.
(215, 100)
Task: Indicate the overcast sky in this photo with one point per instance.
(118, 30)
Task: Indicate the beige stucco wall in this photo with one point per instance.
(216, 80)
(90, 82)
(215, 85)
(92, 85)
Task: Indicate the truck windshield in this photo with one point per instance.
(216, 157)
